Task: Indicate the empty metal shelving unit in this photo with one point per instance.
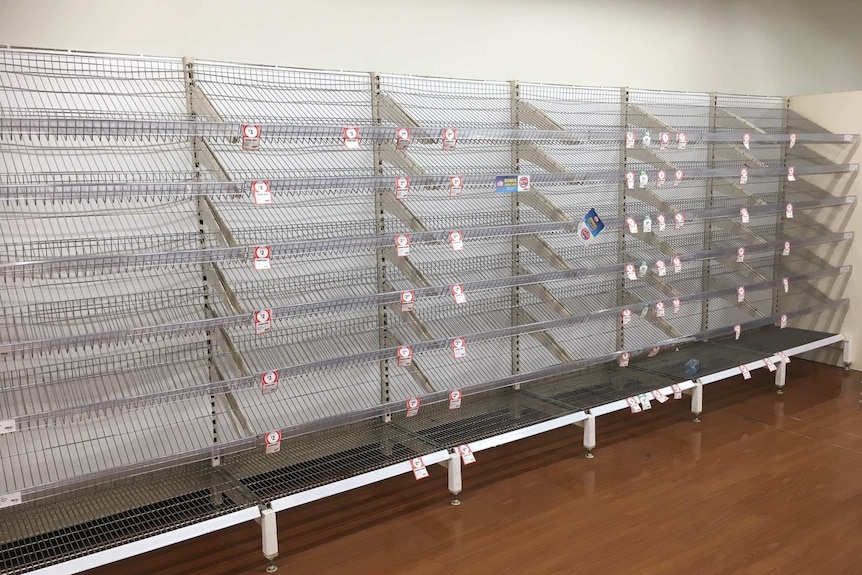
(228, 290)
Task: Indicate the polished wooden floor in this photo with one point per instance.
(765, 484)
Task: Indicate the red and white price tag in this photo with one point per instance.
(413, 406)
(740, 255)
(676, 305)
(250, 137)
(633, 225)
(681, 140)
(408, 300)
(405, 356)
(630, 180)
(782, 322)
(783, 357)
(792, 140)
(785, 283)
(269, 382)
(791, 173)
(678, 220)
(785, 251)
(770, 365)
(524, 181)
(659, 309)
(624, 359)
(740, 294)
(273, 442)
(788, 211)
(419, 469)
(746, 141)
(450, 136)
(455, 399)
(466, 453)
(260, 193)
(677, 264)
(662, 222)
(737, 331)
(402, 245)
(661, 268)
(677, 391)
(627, 316)
(457, 240)
(459, 348)
(743, 369)
(351, 137)
(262, 258)
(654, 352)
(456, 186)
(630, 140)
(402, 187)
(659, 396)
(743, 176)
(458, 293)
(262, 321)
(634, 404)
(402, 138)
(661, 178)
(663, 140)
(678, 176)
(744, 215)
(630, 272)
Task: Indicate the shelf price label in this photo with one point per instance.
(261, 193)
(626, 315)
(647, 224)
(783, 357)
(456, 186)
(634, 404)
(678, 220)
(785, 251)
(782, 322)
(743, 176)
(8, 426)
(630, 140)
(408, 300)
(678, 176)
(402, 138)
(402, 187)
(746, 374)
(646, 139)
(659, 396)
(740, 294)
(792, 140)
(788, 211)
(654, 351)
(681, 140)
(631, 274)
(744, 215)
(770, 365)
(268, 382)
(455, 399)
(405, 356)
(737, 331)
(10, 499)
(661, 178)
(791, 173)
(659, 309)
(262, 258)
(676, 305)
(418, 467)
(413, 406)
(458, 293)
(663, 140)
(273, 442)
(785, 283)
(250, 137)
(633, 225)
(630, 180)
(677, 391)
(662, 222)
(459, 348)
(740, 255)
(456, 238)
(262, 321)
(402, 245)
(661, 268)
(351, 137)
(624, 359)
(450, 137)
(677, 264)
(746, 141)
(466, 454)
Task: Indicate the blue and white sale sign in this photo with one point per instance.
(513, 183)
(590, 227)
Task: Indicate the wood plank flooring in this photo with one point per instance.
(766, 484)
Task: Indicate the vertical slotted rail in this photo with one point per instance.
(708, 204)
(621, 238)
(516, 219)
(382, 311)
(782, 199)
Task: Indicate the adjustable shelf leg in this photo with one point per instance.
(846, 353)
(454, 469)
(590, 435)
(269, 536)
(780, 376)
(697, 401)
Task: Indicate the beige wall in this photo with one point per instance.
(774, 47)
(839, 113)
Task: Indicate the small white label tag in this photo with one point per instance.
(746, 141)
(455, 399)
(659, 396)
(847, 137)
(351, 137)
(783, 357)
(654, 352)
(661, 268)
(676, 305)
(262, 321)
(744, 216)
(743, 176)
(791, 174)
(408, 300)
(854, 167)
(849, 199)
(456, 186)
(633, 225)
(273, 442)
(8, 426)
(737, 331)
(677, 264)
(792, 140)
(782, 322)
(785, 251)
(630, 272)
(402, 245)
(677, 391)
(743, 369)
(630, 140)
(413, 406)
(785, 283)
(663, 140)
(661, 222)
(659, 309)
(450, 137)
(681, 140)
(250, 137)
(788, 211)
(678, 176)
(627, 316)
(634, 406)
(624, 359)
(644, 400)
(646, 139)
(262, 258)
(678, 220)
(419, 470)
(466, 453)
(405, 356)
(459, 348)
(740, 255)
(770, 365)
(844, 269)
(268, 382)
(402, 187)
(848, 235)
(630, 180)
(647, 225)
(261, 194)
(10, 499)
(457, 240)
(740, 294)
(402, 138)
(458, 293)
(643, 180)
(661, 178)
